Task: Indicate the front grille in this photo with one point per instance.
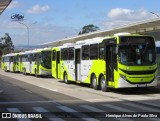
(140, 82)
(139, 72)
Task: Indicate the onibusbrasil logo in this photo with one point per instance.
(17, 17)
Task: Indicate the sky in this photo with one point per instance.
(52, 20)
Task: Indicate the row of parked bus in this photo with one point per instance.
(119, 61)
(36, 62)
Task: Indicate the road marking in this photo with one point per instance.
(42, 110)
(16, 110)
(29, 91)
(92, 108)
(142, 107)
(67, 109)
(152, 104)
(76, 113)
(30, 102)
(97, 100)
(54, 90)
(117, 108)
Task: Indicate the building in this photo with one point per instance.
(149, 27)
(3, 5)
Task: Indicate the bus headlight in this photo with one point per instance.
(123, 76)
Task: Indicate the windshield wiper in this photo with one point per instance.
(145, 48)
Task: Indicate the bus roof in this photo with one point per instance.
(35, 51)
(10, 54)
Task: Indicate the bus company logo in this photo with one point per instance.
(17, 17)
(150, 67)
(141, 80)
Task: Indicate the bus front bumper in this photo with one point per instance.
(122, 83)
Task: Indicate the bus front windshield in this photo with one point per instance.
(137, 51)
(46, 59)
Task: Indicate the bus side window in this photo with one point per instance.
(94, 51)
(8, 59)
(11, 59)
(22, 58)
(101, 51)
(61, 54)
(31, 57)
(53, 55)
(65, 54)
(71, 53)
(85, 52)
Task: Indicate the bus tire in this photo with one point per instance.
(103, 85)
(94, 82)
(13, 69)
(24, 71)
(65, 77)
(5, 69)
(36, 73)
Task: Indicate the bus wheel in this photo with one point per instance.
(103, 84)
(5, 69)
(36, 73)
(24, 73)
(94, 82)
(66, 78)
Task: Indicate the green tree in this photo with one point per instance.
(6, 44)
(88, 28)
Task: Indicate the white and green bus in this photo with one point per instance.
(10, 62)
(37, 62)
(120, 61)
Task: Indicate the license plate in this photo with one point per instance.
(141, 85)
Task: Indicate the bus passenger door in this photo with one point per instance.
(11, 64)
(54, 68)
(38, 60)
(57, 64)
(14, 64)
(20, 63)
(110, 61)
(17, 64)
(77, 64)
(30, 64)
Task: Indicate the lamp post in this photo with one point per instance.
(155, 14)
(28, 26)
